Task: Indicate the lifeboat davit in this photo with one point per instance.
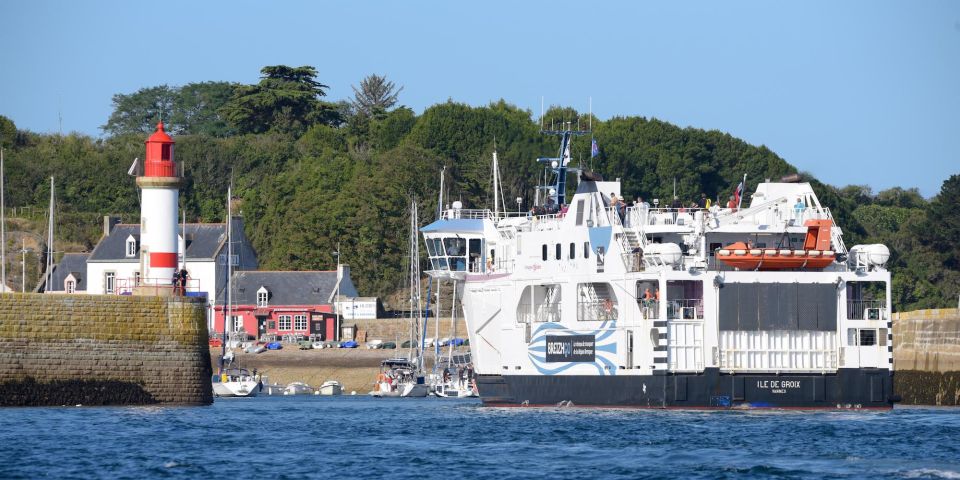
(814, 255)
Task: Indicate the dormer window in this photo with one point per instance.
(262, 297)
(131, 246)
(71, 286)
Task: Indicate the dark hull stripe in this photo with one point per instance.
(847, 388)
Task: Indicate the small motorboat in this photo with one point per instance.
(317, 345)
(330, 387)
(374, 344)
(298, 388)
(398, 378)
(271, 388)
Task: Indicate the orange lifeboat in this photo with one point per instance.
(814, 255)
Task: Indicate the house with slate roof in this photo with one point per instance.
(113, 268)
(285, 303)
(70, 275)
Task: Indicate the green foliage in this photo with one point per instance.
(375, 96)
(310, 182)
(8, 132)
(287, 100)
(190, 109)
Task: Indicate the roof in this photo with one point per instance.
(459, 225)
(289, 288)
(204, 241)
(71, 263)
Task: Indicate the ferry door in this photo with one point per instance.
(628, 351)
(261, 327)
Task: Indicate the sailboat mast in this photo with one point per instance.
(227, 310)
(496, 185)
(49, 264)
(453, 324)
(3, 232)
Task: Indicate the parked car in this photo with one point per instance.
(389, 345)
(274, 346)
(348, 344)
(374, 344)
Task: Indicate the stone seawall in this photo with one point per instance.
(926, 356)
(103, 350)
(398, 329)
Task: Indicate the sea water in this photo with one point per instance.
(363, 437)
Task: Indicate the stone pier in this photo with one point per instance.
(103, 350)
(926, 356)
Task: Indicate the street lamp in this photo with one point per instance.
(519, 201)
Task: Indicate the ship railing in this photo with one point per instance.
(649, 309)
(866, 310)
(685, 309)
(539, 313)
(596, 310)
(468, 213)
(541, 223)
(155, 286)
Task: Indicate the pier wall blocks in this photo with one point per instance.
(393, 329)
(926, 356)
(103, 350)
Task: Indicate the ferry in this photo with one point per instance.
(592, 303)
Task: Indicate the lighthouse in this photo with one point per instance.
(160, 188)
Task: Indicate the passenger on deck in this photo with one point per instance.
(731, 204)
(798, 209)
(703, 203)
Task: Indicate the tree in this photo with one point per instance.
(375, 96)
(287, 100)
(140, 111)
(190, 109)
(942, 226)
(8, 132)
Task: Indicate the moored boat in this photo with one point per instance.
(236, 382)
(329, 388)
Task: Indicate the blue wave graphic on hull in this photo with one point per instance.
(605, 348)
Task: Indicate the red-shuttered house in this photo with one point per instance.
(285, 303)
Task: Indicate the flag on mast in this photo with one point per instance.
(738, 193)
(594, 149)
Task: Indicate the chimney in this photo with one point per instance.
(109, 221)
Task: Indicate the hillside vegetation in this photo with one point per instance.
(314, 174)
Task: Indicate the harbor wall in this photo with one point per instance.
(926, 356)
(398, 329)
(103, 350)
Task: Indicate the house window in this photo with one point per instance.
(284, 322)
(300, 322)
(234, 259)
(71, 286)
(237, 322)
(271, 325)
(108, 282)
(262, 297)
(131, 246)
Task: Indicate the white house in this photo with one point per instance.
(113, 268)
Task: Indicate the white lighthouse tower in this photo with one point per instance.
(160, 186)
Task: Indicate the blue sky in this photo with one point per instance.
(852, 92)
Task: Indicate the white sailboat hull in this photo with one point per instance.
(244, 388)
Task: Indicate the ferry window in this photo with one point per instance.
(573, 251)
(586, 249)
(476, 249)
(437, 247)
(600, 252)
(579, 212)
(882, 338)
(430, 251)
(596, 302)
(559, 253)
(544, 252)
(456, 247)
(852, 337)
(868, 337)
(539, 303)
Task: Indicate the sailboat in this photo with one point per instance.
(403, 377)
(232, 381)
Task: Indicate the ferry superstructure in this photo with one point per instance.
(595, 305)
